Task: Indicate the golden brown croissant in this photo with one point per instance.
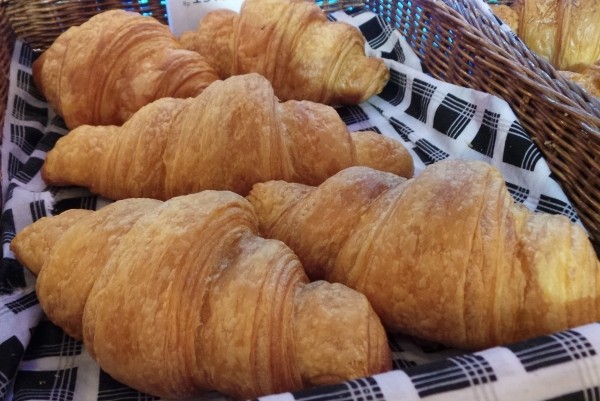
(181, 297)
(104, 70)
(446, 256)
(588, 78)
(232, 136)
(564, 32)
(293, 45)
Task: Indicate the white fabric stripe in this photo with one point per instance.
(465, 113)
(582, 362)
(540, 353)
(396, 385)
(458, 126)
(457, 105)
(33, 394)
(470, 366)
(278, 397)
(530, 158)
(17, 324)
(4, 383)
(379, 40)
(88, 378)
(490, 120)
(22, 305)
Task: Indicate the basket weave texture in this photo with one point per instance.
(6, 46)
(458, 44)
(39, 22)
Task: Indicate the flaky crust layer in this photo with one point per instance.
(293, 45)
(446, 256)
(233, 135)
(101, 72)
(176, 298)
(564, 32)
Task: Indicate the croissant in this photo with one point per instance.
(293, 45)
(564, 32)
(588, 78)
(229, 137)
(107, 68)
(585, 75)
(446, 256)
(179, 297)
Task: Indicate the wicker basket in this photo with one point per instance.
(458, 44)
(39, 22)
(6, 46)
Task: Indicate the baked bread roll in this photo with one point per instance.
(293, 45)
(564, 32)
(447, 256)
(230, 137)
(181, 297)
(101, 72)
(544, 36)
(588, 78)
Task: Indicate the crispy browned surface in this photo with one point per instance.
(199, 301)
(566, 33)
(232, 136)
(445, 256)
(292, 44)
(101, 72)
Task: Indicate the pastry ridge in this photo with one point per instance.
(180, 297)
(447, 255)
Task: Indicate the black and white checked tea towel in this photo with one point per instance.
(433, 119)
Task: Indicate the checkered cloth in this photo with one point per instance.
(433, 119)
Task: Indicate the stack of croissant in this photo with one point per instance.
(103, 71)
(566, 33)
(254, 244)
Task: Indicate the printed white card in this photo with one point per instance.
(185, 15)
